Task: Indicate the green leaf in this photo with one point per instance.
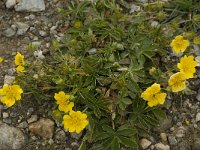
(115, 144)
(130, 142)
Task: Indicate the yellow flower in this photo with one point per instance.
(152, 70)
(9, 94)
(66, 106)
(179, 44)
(196, 40)
(153, 95)
(77, 24)
(75, 121)
(61, 97)
(187, 66)
(1, 59)
(19, 59)
(177, 82)
(20, 69)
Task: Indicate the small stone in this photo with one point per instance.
(161, 146)
(163, 137)
(165, 125)
(32, 119)
(11, 137)
(92, 51)
(134, 8)
(10, 3)
(5, 115)
(22, 28)
(11, 71)
(42, 33)
(50, 141)
(7, 120)
(144, 143)
(44, 128)
(9, 79)
(172, 140)
(60, 135)
(23, 125)
(198, 117)
(30, 5)
(75, 135)
(74, 144)
(8, 32)
(180, 132)
(36, 43)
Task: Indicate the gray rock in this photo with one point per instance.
(134, 8)
(8, 32)
(22, 28)
(144, 143)
(75, 135)
(32, 119)
(30, 5)
(180, 132)
(11, 71)
(44, 128)
(5, 115)
(10, 3)
(92, 51)
(36, 44)
(172, 140)
(198, 117)
(9, 79)
(23, 125)
(165, 125)
(163, 137)
(161, 146)
(11, 137)
(7, 120)
(42, 33)
(60, 135)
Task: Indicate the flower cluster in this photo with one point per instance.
(177, 83)
(187, 69)
(63, 102)
(74, 121)
(19, 62)
(10, 94)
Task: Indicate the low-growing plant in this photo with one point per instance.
(105, 74)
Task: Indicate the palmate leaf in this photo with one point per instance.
(98, 106)
(109, 137)
(144, 117)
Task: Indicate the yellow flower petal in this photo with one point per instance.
(10, 93)
(196, 40)
(66, 106)
(75, 121)
(1, 59)
(150, 91)
(187, 66)
(77, 24)
(61, 97)
(177, 82)
(20, 69)
(161, 97)
(179, 44)
(19, 59)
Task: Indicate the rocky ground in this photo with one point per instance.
(29, 127)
